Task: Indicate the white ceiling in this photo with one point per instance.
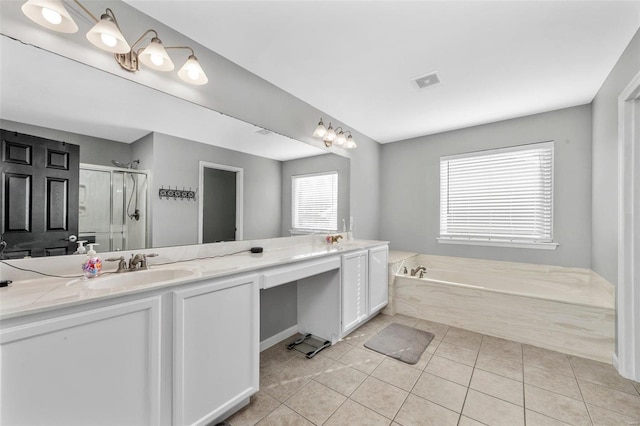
(355, 60)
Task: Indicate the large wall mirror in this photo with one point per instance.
(139, 163)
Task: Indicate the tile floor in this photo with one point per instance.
(463, 378)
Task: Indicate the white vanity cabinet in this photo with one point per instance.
(97, 365)
(365, 286)
(216, 348)
(378, 278)
(354, 290)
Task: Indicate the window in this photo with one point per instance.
(498, 197)
(314, 203)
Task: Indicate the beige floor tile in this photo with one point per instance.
(601, 374)
(419, 411)
(466, 339)
(537, 419)
(315, 402)
(424, 358)
(380, 321)
(442, 392)
(405, 320)
(501, 348)
(303, 366)
(283, 383)
(554, 405)
(379, 396)
(397, 373)
(260, 405)
(275, 357)
(552, 381)
(353, 414)
(457, 353)
(637, 386)
(363, 333)
(362, 359)
(284, 416)
(466, 421)
(603, 417)
(498, 386)
(341, 378)
(437, 329)
(492, 411)
(546, 359)
(611, 399)
(450, 370)
(503, 367)
(336, 351)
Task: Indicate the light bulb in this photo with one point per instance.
(157, 59)
(108, 39)
(51, 16)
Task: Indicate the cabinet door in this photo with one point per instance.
(101, 365)
(216, 348)
(378, 278)
(354, 290)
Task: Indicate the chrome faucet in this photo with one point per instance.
(139, 261)
(418, 269)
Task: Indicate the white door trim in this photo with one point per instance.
(239, 196)
(628, 288)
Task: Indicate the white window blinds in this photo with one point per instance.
(314, 201)
(503, 195)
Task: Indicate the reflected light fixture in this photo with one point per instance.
(106, 35)
(335, 137)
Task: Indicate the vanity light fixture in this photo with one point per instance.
(106, 35)
(335, 137)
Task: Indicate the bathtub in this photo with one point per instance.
(569, 310)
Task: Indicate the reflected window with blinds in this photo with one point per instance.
(498, 196)
(314, 202)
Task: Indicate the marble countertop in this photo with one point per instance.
(29, 296)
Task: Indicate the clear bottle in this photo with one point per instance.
(93, 265)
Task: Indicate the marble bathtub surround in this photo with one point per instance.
(509, 383)
(562, 309)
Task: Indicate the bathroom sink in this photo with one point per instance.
(135, 278)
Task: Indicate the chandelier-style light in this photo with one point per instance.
(106, 35)
(337, 137)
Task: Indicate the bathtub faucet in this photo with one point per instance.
(414, 272)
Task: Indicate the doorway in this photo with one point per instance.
(628, 290)
(220, 200)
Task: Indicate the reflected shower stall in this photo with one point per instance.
(113, 206)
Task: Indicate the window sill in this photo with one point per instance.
(527, 245)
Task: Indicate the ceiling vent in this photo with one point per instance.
(264, 132)
(427, 80)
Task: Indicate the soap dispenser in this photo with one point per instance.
(81, 248)
(93, 265)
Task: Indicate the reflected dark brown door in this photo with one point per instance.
(39, 195)
(219, 206)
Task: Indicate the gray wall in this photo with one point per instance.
(92, 150)
(604, 249)
(410, 186)
(317, 164)
(176, 162)
(278, 309)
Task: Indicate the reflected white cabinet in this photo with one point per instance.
(354, 290)
(216, 348)
(99, 365)
(378, 278)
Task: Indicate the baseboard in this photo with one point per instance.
(614, 361)
(278, 337)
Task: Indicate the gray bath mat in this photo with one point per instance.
(403, 343)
